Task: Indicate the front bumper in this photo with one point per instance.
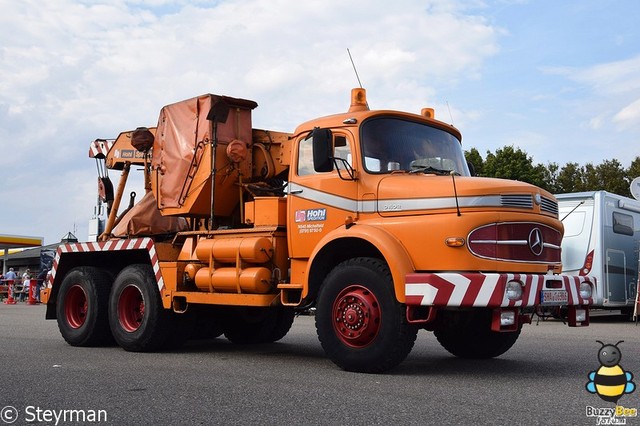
(507, 295)
(462, 290)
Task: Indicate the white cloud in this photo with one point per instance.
(597, 122)
(73, 71)
(612, 89)
(629, 116)
(613, 77)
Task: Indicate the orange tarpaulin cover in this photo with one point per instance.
(182, 156)
(145, 219)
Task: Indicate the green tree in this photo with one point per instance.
(608, 176)
(613, 177)
(590, 179)
(634, 169)
(569, 179)
(512, 163)
(474, 157)
(549, 175)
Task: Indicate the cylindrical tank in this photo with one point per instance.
(226, 280)
(225, 250)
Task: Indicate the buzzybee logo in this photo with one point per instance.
(610, 382)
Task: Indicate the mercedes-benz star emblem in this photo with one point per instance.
(536, 244)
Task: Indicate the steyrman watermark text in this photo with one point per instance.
(36, 414)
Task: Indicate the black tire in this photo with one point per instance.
(82, 307)
(360, 324)
(250, 325)
(138, 320)
(180, 329)
(284, 321)
(207, 322)
(469, 335)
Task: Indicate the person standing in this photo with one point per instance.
(11, 275)
(39, 283)
(26, 282)
(10, 279)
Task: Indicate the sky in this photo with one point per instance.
(558, 79)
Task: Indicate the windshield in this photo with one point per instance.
(390, 144)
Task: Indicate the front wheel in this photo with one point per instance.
(469, 335)
(360, 324)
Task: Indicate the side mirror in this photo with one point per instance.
(322, 150)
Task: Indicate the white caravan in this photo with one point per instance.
(601, 238)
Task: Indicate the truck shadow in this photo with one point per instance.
(221, 345)
(490, 368)
(417, 364)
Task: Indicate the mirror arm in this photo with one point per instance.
(348, 168)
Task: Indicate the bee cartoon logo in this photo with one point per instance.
(610, 381)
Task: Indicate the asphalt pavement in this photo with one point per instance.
(541, 380)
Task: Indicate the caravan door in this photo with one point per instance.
(616, 272)
(620, 241)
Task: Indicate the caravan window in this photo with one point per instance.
(622, 224)
(573, 224)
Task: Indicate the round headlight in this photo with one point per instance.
(585, 290)
(514, 290)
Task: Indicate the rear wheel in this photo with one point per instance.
(360, 324)
(138, 320)
(283, 323)
(206, 323)
(82, 307)
(469, 335)
(246, 325)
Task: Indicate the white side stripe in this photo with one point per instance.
(390, 205)
(331, 200)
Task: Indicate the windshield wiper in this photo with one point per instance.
(429, 169)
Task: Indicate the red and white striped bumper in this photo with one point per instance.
(490, 290)
(111, 245)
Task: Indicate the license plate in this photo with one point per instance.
(554, 297)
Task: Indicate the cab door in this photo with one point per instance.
(320, 202)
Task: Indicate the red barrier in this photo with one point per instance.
(32, 292)
(10, 300)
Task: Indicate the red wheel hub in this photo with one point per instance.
(130, 308)
(357, 316)
(75, 306)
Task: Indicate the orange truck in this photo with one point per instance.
(372, 217)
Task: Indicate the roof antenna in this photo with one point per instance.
(354, 68)
(572, 210)
(450, 115)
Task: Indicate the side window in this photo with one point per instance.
(622, 224)
(305, 158)
(341, 149)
